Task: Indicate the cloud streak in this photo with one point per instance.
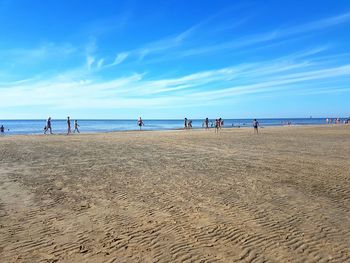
(210, 86)
(176, 43)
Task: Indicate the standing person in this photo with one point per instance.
(140, 123)
(185, 123)
(2, 129)
(76, 125)
(255, 125)
(48, 126)
(68, 126)
(206, 122)
(217, 125)
(221, 123)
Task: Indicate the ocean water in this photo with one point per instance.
(13, 127)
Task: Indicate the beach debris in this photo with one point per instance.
(85, 205)
(83, 249)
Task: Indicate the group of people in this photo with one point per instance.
(48, 126)
(336, 121)
(286, 123)
(187, 124)
(218, 124)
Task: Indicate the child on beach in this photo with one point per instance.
(217, 125)
(255, 125)
(206, 122)
(140, 123)
(76, 125)
(2, 129)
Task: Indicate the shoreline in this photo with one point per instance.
(175, 129)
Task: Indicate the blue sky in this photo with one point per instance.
(170, 59)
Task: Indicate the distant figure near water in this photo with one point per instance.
(2, 129)
(140, 123)
(76, 125)
(68, 126)
(217, 125)
(189, 125)
(185, 123)
(256, 125)
(48, 126)
(221, 123)
(206, 123)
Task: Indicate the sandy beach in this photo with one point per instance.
(177, 196)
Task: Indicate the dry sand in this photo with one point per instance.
(177, 196)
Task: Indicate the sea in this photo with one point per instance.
(14, 127)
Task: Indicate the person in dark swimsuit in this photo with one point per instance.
(68, 126)
(185, 123)
(2, 129)
(256, 125)
(206, 122)
(48, 126)
(140, 123)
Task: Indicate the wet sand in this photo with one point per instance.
(177, 196)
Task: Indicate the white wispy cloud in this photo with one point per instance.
(164, 44)
(318, 25)
(161, 47)
(211, 86)
(304, 73)
(100, 63)
(120, 58)
(282, 82)
(89, 62)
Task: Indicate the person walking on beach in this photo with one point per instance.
(68, 126)
(189, 125)
(206, 123)
(185, 123)
(255, 125)
(48, 126)
(76, 125)
(140, 123)
(2, 129)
